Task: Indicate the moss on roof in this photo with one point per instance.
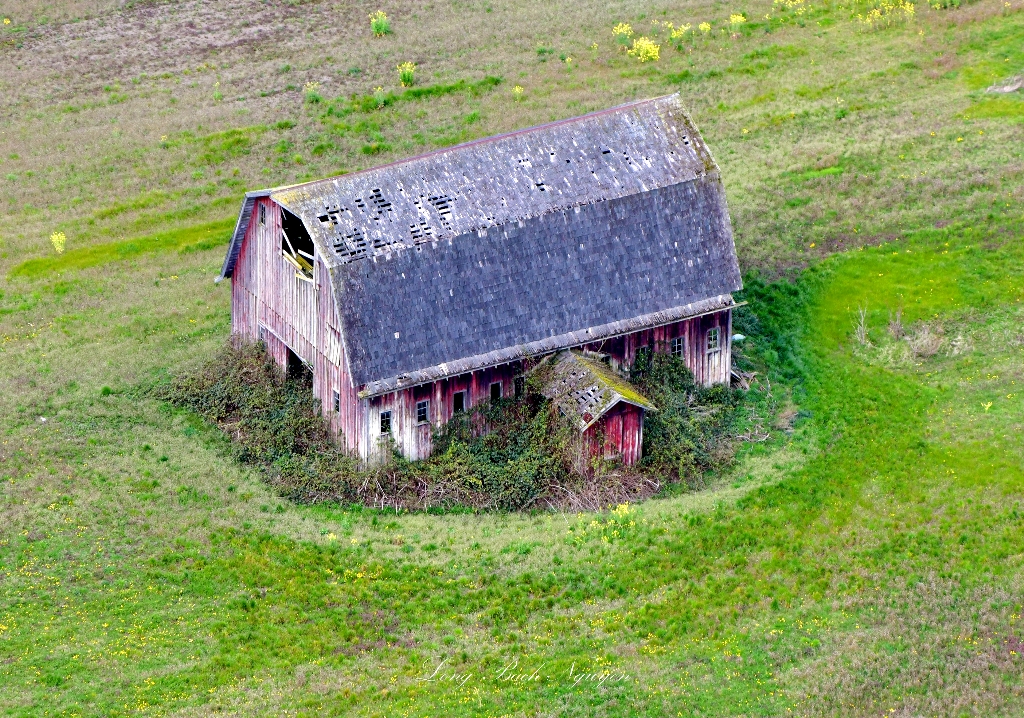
(586, 389)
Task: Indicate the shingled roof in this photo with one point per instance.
(586, 389)
(532, 241)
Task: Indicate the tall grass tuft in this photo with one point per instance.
(312, 93)
(380, 24)
(407, 74)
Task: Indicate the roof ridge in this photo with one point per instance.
(479, 141)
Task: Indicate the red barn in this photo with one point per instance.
(421, 288)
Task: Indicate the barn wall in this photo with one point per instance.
(619, 433)
(414, 439)
(708, 367)
(271, 304)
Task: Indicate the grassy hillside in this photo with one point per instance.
(863, 560)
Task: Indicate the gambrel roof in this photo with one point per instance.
(522, 243)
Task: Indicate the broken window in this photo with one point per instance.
(459, 402)
(336, 397)
(297, 246)
(385, 422)
(496, 392)
(678, 347)
(714, 340)
(422, 412)
(263, 214)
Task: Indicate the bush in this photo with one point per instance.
(514, 454)
(685, 438)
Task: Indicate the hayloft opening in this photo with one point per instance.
(496, 392)
(459, 401)
(298, 370)
(296, 245)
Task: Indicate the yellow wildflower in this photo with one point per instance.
(644, 49)
(737, 19)
(407, 73)
(58, 240)
(704, 27)
(380, 24)
(623, 29)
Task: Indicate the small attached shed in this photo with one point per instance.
(419, 289)
(607, 409)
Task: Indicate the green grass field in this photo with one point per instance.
(864, 560)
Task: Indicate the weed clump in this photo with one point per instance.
(512, 454)
(407, 74)
(380, 24)
(688, 436)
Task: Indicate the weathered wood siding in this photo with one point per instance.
(619, 433)
(708, 367)
(414, 439)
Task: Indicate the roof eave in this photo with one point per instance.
(241, 227)
(547, 345)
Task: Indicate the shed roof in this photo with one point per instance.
(586, 389)
(470, 256)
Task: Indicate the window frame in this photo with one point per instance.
(677, 347)
(262, 214)
(385, 419)
(423, 407)
(336, 400)
(457, 398)
(716, 334)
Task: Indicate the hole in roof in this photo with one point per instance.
(443, 204)
(352, 245)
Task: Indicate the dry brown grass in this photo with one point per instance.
(926, 648)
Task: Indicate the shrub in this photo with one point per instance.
(622, 32)
(380, 24)
(513, 454)
(684, 437)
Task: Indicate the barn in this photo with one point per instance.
(419, 289)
